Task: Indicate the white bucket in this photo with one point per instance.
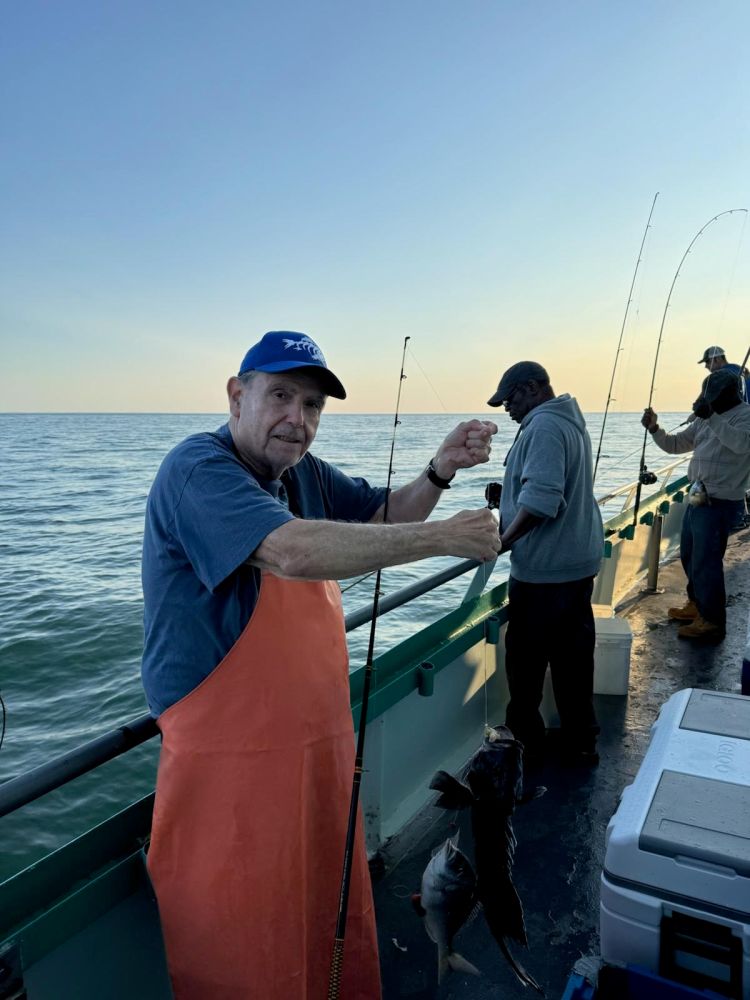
(614, 638)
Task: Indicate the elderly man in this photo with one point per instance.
(551, 524)
(245, 667)
(719, 438)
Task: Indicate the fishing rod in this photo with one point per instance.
(743, 369)
(622, 331)
(334, 982)
(646, 478)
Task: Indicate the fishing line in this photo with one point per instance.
(486, 699)
(646, 478)
(337, 960)
(357, 582)
(731, 277)
(427, 379)
(622, 332)
(623, 459)
(2, 729)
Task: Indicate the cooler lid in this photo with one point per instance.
(718, 712)
(700, 818)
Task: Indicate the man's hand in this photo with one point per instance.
(472, 534)
(648, 420)
(466, 446)
(702, 408)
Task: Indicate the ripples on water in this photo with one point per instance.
(71, 520)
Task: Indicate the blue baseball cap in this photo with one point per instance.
(285, 350)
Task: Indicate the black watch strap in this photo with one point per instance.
(435, 479)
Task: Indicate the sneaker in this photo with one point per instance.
(687, 613)
(701, 629)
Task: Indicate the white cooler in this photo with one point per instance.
(675, 890)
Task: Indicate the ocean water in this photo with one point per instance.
(72, 501)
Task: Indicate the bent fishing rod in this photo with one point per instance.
(334, 982)
(622, 331)
(646, 478)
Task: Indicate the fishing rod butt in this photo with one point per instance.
(337, 964)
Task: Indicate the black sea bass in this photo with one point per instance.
(493, 784)
(449, 894)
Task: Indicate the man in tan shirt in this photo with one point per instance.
(719, 471)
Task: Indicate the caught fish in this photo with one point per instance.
(447, 899)
(492, 786)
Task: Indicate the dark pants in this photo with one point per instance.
(703, 542)
(551, 624)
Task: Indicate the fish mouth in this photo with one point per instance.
(496, 734)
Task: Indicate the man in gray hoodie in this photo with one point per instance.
(551, 524)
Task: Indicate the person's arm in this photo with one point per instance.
(332, 550)
(732, 436)
(673, 444)
(521, 525)
(466, 446)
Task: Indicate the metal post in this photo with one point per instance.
(654, 551)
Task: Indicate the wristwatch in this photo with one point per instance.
(435, 479)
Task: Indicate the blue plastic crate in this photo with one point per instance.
(634, 983)
(578, 988)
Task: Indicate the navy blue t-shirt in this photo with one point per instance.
(206, 514)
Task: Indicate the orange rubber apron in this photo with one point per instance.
(250, 820)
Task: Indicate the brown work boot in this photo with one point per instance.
(687, 613)
(701, 629)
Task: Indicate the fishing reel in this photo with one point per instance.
(646, 478)
(492, 494)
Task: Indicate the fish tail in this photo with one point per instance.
(460, 964)
(525, 978)
(448, 960)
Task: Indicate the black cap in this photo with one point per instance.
(518, 374)
(718, 382)
(710, 353)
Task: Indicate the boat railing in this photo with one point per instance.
(23, 789)
(19, 791)
(628, 491)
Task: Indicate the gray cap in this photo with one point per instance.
(718, 382)
(710, 353)
(518, 374)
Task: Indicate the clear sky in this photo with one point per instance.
(179, 177)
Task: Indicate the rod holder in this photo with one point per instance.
(654, 552)
(492, 630)
(426, 679)
(627, 532)
(648, 518)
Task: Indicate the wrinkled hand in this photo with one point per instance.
(466, 446)
(472, 534)
(702, 408)
(649, 418)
